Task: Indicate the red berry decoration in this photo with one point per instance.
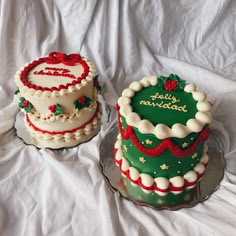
(82, 100)
(52, 108)
(170, 85)
(25, 103)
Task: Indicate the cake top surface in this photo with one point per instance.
(165, 103)
(165, 106)
(55, 73)
(46, 75)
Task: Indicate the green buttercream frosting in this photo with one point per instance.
(166, 103)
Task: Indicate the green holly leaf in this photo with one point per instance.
(95, 77)
(21, 102)
(17, 91)
(161, 81)
(182, 84)
(58, 110)
(174, 77)
(28, 108)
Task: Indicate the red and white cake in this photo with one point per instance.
(58, 95)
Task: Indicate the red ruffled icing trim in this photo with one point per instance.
(74, 59)
(165, 144)
(61, 132)
(154, 187)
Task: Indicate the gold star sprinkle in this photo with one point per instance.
(164, 167)
(185, 145)
(141, 159)
(125, 148)
(140, 198)
(160, 201)
(148, 141)
(194, 155)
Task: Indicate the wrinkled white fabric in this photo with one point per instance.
(63, 192)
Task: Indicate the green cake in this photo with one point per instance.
(161, 147)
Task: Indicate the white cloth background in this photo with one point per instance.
(55, 193)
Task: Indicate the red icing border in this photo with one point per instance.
(60, 132)
(165, 144)
(154, 187)
(27, 69)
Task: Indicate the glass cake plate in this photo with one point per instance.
(209, 183)
(23, 134)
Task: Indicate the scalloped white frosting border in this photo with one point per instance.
(162, 182)
(70, 89)
(161, 131)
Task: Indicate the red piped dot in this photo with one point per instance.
(53, 89)
(79, 80)
(61, 86)
(68, 85)
(38, 88)
(25, 103)
(117, 107)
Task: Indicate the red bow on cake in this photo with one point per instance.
(57, 57)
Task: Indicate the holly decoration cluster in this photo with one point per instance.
(171, 83)
(82, 102)
(25, 104)
(55, 109)
(96, 83)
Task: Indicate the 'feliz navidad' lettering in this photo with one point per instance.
(51, 71)
(171, 105)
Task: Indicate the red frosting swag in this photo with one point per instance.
(165, 144)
